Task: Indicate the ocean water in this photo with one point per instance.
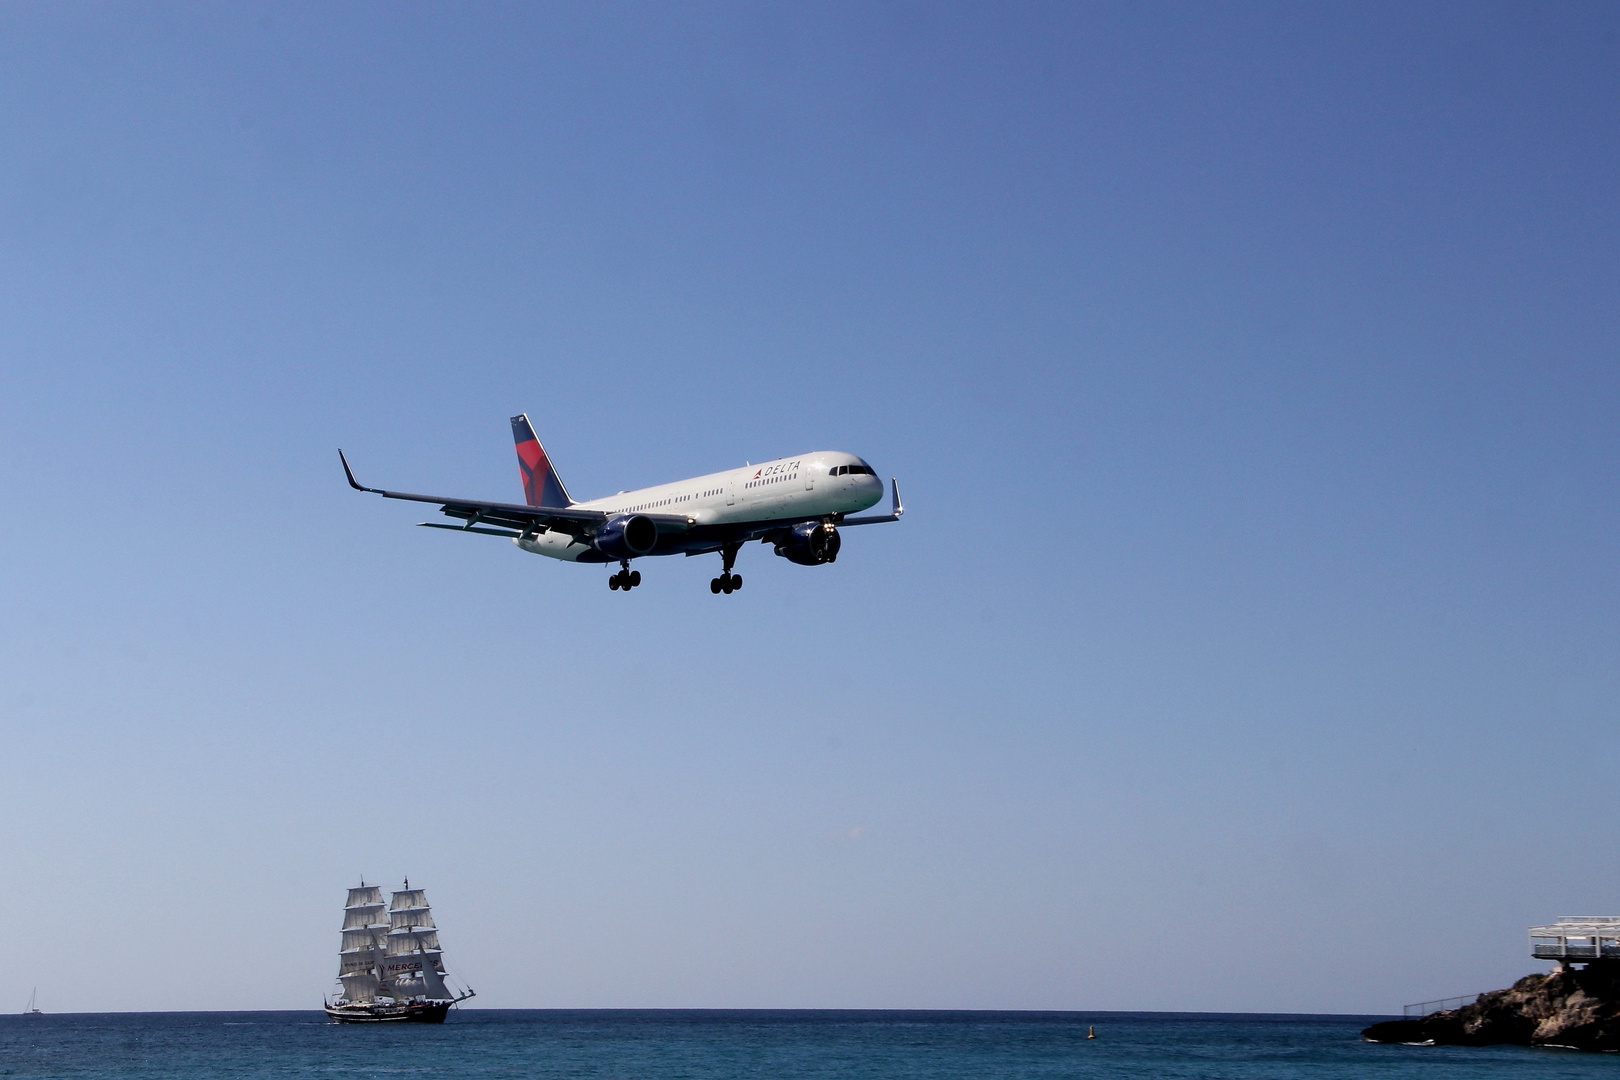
(725, 1044)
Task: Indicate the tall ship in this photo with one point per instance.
(390, 964)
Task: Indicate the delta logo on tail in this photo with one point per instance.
(540, 484)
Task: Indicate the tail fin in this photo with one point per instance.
(541, 486)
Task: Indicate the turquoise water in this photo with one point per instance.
(718, 1045)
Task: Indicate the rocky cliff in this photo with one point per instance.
(1579, 1009)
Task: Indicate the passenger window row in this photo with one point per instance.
(841, 470)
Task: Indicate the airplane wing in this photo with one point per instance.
(873, 519)
(513, 519)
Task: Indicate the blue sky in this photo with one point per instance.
(1250, 372)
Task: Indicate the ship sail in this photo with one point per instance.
(413, 941)
(351, 963)
(409, 917)
(412, 977)
(364, 915)
(363, 938)
(360, 987)
(408, 898)
(364, 896)
(412, 961)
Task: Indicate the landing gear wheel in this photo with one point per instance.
(727, 582)
(613, 582)
(635, 578)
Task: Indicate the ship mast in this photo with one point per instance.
(365, 939)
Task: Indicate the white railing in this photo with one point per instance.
(1426, 1008)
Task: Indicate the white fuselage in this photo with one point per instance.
(807, 486)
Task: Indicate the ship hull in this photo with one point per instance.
(422, 1012)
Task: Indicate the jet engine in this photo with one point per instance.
(811, 544)
(626, 536)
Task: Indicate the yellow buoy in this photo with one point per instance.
(1091, 1031)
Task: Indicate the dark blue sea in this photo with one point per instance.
(723, 1044)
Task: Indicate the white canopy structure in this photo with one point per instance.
(1577, 938)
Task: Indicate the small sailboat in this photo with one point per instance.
(33, 1004)
(390, 964)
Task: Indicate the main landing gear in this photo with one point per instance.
(626, 578)
(727, 582)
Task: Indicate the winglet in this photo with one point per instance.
(350, 474)
(874, 519)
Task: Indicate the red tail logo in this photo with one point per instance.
(541, 487)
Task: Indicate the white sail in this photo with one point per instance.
(408, 898)
(434, 984)
(402, 920)
(366, 915)
(360, 960)
(423, 982)
(364, 895)
(412, 941)
(363, 939)
(360, 986)
(404, 988)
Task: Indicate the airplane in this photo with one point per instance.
(796, 504)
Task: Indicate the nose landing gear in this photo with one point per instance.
(626, 578)
(727, 582)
